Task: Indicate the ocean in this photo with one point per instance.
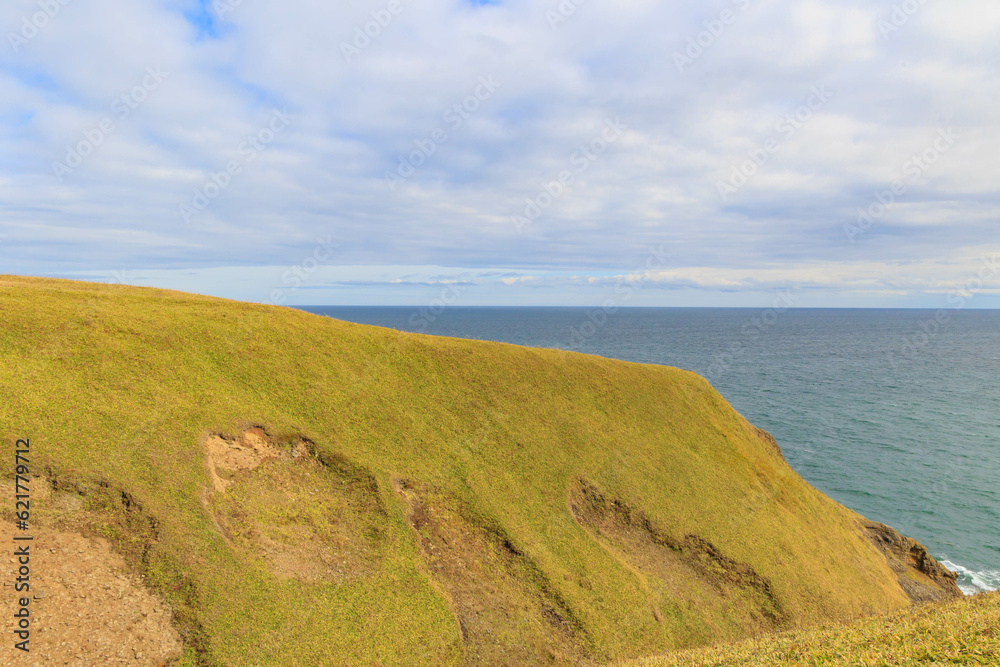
(893, 413)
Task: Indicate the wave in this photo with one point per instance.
(972, 582)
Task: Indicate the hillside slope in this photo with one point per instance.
(959, 632)
(301, 490)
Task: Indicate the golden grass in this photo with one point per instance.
(964, 632)
(119, 386)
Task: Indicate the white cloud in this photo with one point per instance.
(353, 120)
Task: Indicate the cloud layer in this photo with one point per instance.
(843, 147)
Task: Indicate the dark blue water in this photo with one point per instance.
(893, 413)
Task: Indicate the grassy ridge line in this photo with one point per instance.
(120, 385)
(963, 632)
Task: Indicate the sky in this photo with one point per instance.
(507, 152)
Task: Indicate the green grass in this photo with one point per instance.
(117, 387)
(964, 632)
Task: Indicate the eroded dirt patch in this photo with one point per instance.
(681, 571)
(87, 609)
(309, 520)
(96, 510)
(507, 612)
(248, 451)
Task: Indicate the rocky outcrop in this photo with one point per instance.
(921, 577)
(771, 442)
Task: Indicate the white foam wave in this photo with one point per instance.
(971, 581)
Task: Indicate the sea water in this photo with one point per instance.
(893, 413)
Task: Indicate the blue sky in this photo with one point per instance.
(568, 152)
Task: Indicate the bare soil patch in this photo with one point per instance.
(309, 520)
(245, 452)
(681, 571)
(87, 608)
(507, 612)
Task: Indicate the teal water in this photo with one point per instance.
(890, 412)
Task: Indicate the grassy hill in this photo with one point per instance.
(962, 632)
(304, 491)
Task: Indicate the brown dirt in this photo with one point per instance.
(920, 576)
(506, 611)
(245, 452)
(679, 571)
(87, 609)
(308, 520)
